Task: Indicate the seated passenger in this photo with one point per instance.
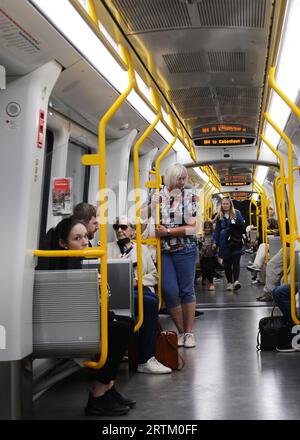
(123, 247)
(282, 298)
(104, 400)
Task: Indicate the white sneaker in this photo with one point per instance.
(229, 286)
(180, 339)
(189, 340)
(153, 366)
(237, 285)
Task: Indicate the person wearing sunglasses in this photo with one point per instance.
(123, 247)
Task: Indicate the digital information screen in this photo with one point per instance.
(235, 180)
(223, 135)
(224, 141)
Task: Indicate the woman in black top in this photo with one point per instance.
(104, 399)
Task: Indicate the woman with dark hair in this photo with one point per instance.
(104, 400)
(230, 227)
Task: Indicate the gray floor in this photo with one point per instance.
(225, 378)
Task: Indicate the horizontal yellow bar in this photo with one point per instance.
(149, 241)
(91, 252)
(90, 159)
(150, 184)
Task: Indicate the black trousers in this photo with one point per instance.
(120, 332)
(208, 268)
(232, 268)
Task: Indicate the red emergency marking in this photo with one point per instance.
(41, 129)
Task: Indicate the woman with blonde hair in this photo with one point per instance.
(177, 229)
(230, 227)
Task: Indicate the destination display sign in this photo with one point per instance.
(222, 129)
(238, 180)
(227, 141)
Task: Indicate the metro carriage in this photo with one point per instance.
(97, 99)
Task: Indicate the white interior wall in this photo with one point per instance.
(117, 162)
(21, 196)
(145, 165)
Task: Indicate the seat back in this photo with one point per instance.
(66, 313)
(275, 244)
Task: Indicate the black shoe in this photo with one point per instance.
(105, 405)
(198, 313)
(163, 311)
(121, 399)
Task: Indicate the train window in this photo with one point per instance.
(78, 172)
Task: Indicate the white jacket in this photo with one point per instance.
(150, 276)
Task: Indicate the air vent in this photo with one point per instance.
(16, 38)
(245, 96)
(232, 13)
(190, 102)
(238, 110)
(148, 15)
(184, 62)
(227, 61)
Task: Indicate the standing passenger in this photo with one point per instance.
(229, 218)
(207, 255)
(178, 214)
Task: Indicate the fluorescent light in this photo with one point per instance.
(164, 132)
(109, 38)
(179, 147)
(143, 87)
(141, 107)
(255, 196)
(261, 173)
(202, 174)
(71, 24)
(287, 72)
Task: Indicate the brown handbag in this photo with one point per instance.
(166, 349)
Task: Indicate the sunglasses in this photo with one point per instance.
(123, 227)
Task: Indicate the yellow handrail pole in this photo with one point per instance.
(296, 223)
(262, 191)
(250, 220)
(201, 211)
(281, 212)
(292, 222)
(277, 202)
(209, 202)
(158, 246)
(92, 11)
(273, 85)
(207, 194)
(136, 148)
(100, 160)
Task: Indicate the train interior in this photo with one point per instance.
(113, 92)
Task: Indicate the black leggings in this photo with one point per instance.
(232, 268)
(207, 265)
(120, 332)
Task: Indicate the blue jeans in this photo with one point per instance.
(282, 299)
(178, 274)
(148, 330)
